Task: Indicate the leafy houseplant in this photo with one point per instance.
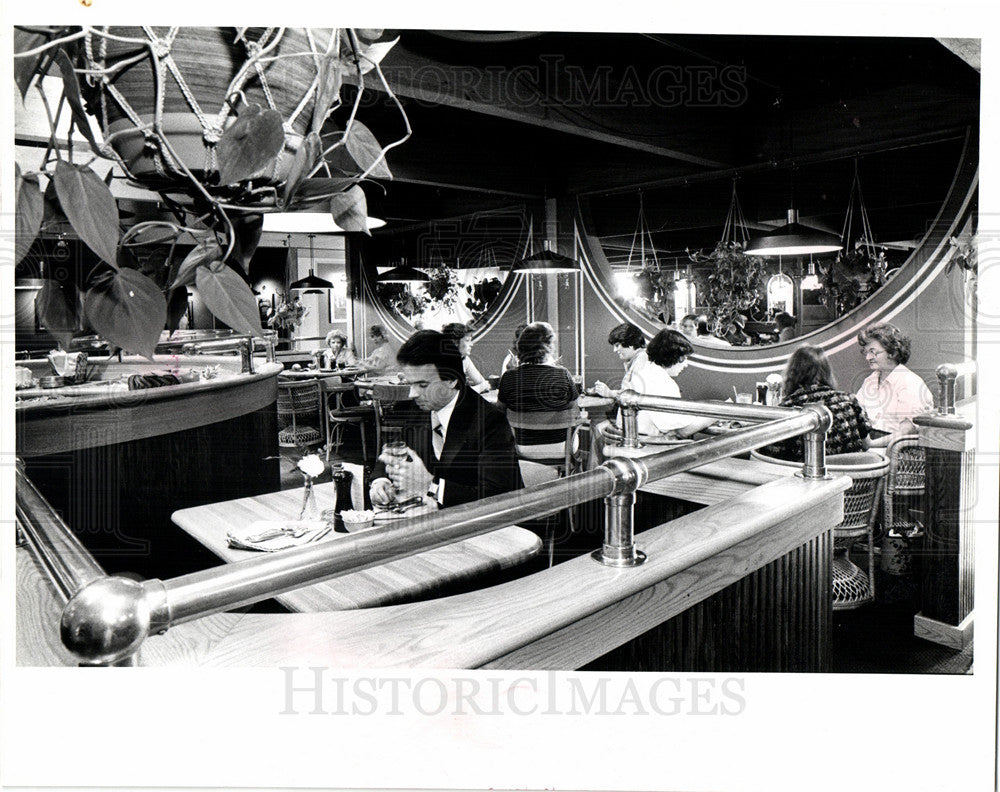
(401, 299)
(852, 277)
(287, 315)
(735, 284)
(442, 285)
(226, 124)
(481, 296)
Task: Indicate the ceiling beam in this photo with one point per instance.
(489, 91)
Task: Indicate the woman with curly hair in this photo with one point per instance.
(808, 379)
(337, 353)
(892, 394)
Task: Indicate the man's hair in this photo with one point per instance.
(668, 347)
(784, 319)
(890, 337)
(456, 331)
(535, 342)
(808, 365)
(689, 318)
(430, 346)
(628, 335)
(377, 331)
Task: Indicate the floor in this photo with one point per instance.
(876, 638)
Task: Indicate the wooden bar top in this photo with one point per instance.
(392, 582)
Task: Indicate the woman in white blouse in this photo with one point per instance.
(892, 394)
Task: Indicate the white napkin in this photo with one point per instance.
(294, 533)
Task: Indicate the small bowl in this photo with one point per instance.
(51, 381)
(358, 520)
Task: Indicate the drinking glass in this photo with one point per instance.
(393, 445)
(744, 398)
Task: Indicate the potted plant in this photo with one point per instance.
(226, 124)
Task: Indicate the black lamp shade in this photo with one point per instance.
(403, 274)
(546, 262)
(794, 239)
(310, 281)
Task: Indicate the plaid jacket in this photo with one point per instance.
(850, 422)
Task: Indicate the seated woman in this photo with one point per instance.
(808, 379)
(629, 344)
(892, 394)
(667, 356)
(462, 336)
(510, 362)
(538, 385)
(784, 325)
(337, 353)
(382, 358)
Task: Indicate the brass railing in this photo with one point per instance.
(108, 618)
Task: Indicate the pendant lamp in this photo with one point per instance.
(546, 262)
(794, 239)
(404, 273)
(311, 281)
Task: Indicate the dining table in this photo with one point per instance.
(396, 581)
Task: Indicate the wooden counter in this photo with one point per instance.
(116, 466)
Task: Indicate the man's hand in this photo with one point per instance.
(408, 473)
(382, 492)
(603, 390)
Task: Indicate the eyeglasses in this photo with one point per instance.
(872, 353)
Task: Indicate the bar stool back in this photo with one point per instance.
(852, 586)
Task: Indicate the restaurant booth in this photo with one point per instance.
(147, 448)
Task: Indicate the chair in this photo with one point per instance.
(384, 395)
(341, 415)
(565, 454)
(851, 585)
(549, 461)
(300, 413)
(904, 482)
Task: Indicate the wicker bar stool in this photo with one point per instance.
(852, 586)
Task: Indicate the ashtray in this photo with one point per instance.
(51, 381)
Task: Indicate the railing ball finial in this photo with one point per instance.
(106, 621)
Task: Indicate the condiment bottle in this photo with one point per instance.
(342, 479)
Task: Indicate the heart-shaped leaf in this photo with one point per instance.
(366, 151)
(29, 206)
(249, 144)
(306, 157)
(90, 207)
(177, 305)
(26, 68)
(320, 189)
(58, 307)
(71, 90)
(230, 299)
(128, 310)
(206, 251)
(350, 210)
(248, 232)
(330, 77)
(374, 53)
(53, 211)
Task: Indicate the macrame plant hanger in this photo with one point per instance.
(856, 202)
(640, 236)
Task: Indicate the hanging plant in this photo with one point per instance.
(735, 285)
(481, 296)
(442, 286)
(399, 298)
(226, 123)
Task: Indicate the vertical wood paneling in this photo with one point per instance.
(776, 619)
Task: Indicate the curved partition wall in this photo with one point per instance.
(926, 299)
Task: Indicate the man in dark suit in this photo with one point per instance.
(461, 447)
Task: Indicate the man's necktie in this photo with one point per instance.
(438, 436)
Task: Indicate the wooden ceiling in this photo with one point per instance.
(506, 118)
